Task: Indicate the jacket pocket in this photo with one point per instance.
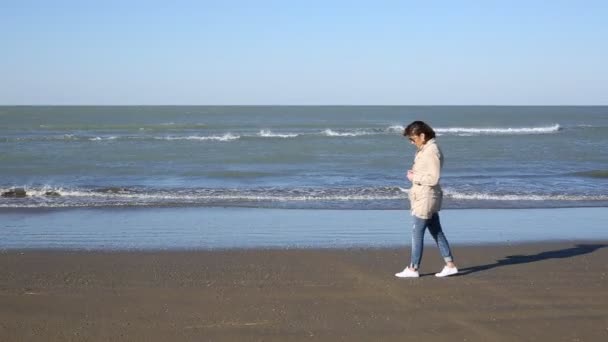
(426, 202)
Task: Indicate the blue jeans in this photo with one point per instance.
(434, 227)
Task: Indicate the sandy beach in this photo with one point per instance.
(260, 171)
(526, 292)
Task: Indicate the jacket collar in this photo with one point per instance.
(428, 143)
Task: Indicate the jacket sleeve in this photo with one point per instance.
(430, 170)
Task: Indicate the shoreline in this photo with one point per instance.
(236, 207)
(428, 243)
(244, 207)
(530, 291)
(246, 228)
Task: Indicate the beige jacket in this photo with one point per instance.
(425, 194)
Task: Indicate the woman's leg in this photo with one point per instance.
(440, 239)
(417, 241)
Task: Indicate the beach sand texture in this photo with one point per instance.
(525, 292)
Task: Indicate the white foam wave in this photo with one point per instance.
(223, 194)
(496, 130)
(47, 196)
(330, 133)
(45, 190)
(395, 129)
(66, 137)
(462, 131)
(103, 138)
(265, 133)
(479, 196)
(269, 134)
(225, 137)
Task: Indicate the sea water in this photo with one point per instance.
(301, 157)
(148, 177)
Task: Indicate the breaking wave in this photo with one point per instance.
(508, 130)
(487, 130)
(225, 137)
(352, 198)
(265, 133)
(480, 196)
(268, 134)
(331, 133)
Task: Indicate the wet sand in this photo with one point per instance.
(526, 292)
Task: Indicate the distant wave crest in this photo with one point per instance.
(508, 130)
(225, 137)
(481, 196)
(331, 133)
(268, 134)
(103, 138)
(466, 131)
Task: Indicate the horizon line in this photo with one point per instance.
(303, 105)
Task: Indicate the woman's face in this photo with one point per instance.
(417, 140)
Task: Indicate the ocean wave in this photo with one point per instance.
(103, 138)
(396, 129)
(268, 134)
(265, 133)
(481, 196)
(470, 131)
(126, 127)
(188, 196)
(331, 133)
(49, 196)
(67, 138)
(499, 131)
(225, 137)
(459, 131)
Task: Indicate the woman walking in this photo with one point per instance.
(425, 199)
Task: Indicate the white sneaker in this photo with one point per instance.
(407, 273)
(447, 271)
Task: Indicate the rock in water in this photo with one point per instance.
(17, 193)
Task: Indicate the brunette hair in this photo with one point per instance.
(417, 128)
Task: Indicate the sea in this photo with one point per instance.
(208, 177)
(299, 157)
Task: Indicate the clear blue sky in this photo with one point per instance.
(304, 52)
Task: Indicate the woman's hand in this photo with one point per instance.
(410, 175)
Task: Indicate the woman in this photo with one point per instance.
(425, 199)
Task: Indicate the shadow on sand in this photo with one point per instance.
(524, 259)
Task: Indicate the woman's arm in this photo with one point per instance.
(429, 169)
